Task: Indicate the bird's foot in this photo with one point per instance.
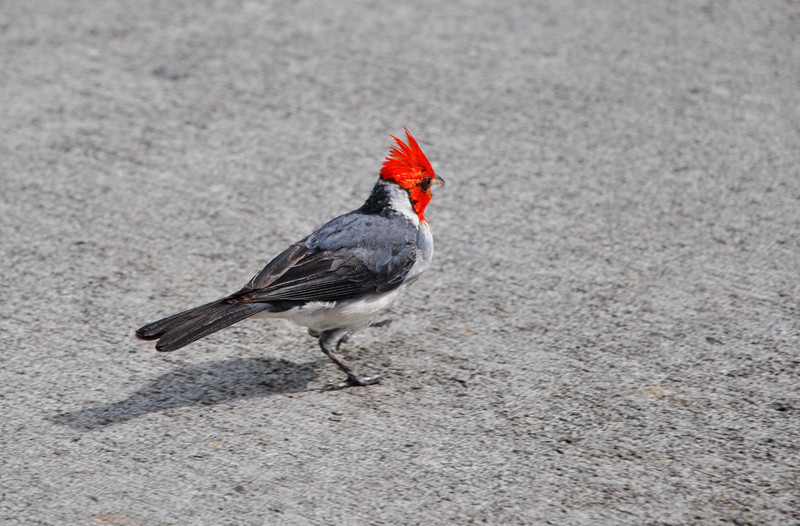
(381, 323)
(353, 380)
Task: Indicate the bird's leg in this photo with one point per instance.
(382, 323)
(338, 335)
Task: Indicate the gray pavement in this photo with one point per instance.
(610, 330)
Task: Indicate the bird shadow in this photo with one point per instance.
(207, 383)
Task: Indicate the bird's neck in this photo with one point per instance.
(387, 197)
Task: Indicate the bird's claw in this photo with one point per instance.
(353, 380)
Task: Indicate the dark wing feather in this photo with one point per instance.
(354, 254)
(278, 266)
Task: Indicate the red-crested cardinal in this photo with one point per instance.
(337, 280)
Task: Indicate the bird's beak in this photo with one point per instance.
(437, 181)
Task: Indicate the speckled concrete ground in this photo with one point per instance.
(610, 331)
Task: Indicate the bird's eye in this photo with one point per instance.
(425, 184)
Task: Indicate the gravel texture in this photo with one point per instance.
(609, 332)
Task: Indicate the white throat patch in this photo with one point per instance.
(401, 203)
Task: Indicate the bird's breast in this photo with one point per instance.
(424, 253)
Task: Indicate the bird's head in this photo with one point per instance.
(407, 166)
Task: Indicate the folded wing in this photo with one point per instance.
(353, 255)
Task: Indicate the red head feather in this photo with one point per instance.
(407, 166)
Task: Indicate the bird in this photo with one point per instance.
(339, 279)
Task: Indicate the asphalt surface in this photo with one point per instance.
(609, 332)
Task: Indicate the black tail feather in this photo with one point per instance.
(155, 330)
(185, 327)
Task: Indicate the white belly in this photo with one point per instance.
(322, 316)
